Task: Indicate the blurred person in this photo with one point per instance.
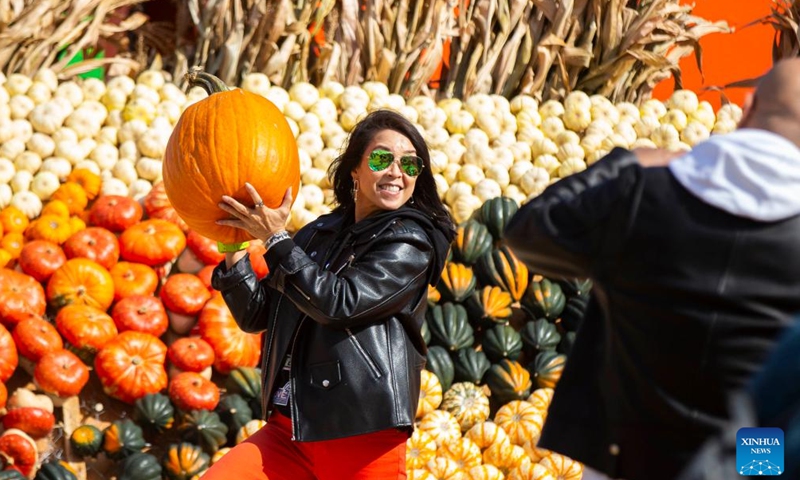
(342, 309)
(695, 261)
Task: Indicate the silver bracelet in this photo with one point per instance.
(275, 238)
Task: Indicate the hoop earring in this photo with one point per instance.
(411, 201)
(354, 191)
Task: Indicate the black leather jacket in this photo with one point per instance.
(687, 302)
(348, 303)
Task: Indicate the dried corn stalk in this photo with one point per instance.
(33, 32)
(785, 18)
(548, 48)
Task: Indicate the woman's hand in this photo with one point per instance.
(260, 222)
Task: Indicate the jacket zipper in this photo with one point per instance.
(292, 377)
(370, 363)
(264, 393)
(264, 399)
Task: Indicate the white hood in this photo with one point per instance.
(749, 173)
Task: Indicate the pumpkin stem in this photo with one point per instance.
(211, 84)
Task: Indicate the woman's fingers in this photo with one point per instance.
(257, 202)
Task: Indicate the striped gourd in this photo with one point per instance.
(501, 268)
(467, 403)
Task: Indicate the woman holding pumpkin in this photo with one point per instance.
(342, 309)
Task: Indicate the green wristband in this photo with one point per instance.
(231, 247)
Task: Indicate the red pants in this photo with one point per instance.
(270, 454)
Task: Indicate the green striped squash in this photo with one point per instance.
(502, 341)
(472, 241)
(470, 365)
(540, 336)
(449, 326)
(441, 365)
(495, 214)
(457, 282)
(501, 268)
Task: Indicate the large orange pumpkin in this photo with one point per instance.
(83, 282)
(221, 142)
(20, 295)
(132, 365)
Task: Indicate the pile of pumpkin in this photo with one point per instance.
(498, 336)
(102, 289)
(105, 290)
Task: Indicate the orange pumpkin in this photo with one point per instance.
(232, 347)
(184, 294)
(3, 395)
(115, 212)
(204, 248)
(40, 258)
(133, 279)
(221, 142)
(13, 243)
(20, 295)
(81, 281)
(58, 208)
(61, 373)
(52, 228)
(94, 243)
(88, 180)
(157, 205)
(9, 359)
(132, 365)
(36, 337)
(13, 220)
(190, 391)
(73, 194)
(152, 242)
(191, 354)
(141, 313)
(85, 328)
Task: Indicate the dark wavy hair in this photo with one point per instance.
(425, 197)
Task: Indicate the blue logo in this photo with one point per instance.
(759, 451)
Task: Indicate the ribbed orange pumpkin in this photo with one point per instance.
(221, 142)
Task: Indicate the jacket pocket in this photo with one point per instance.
(325, 375)
(364, 354)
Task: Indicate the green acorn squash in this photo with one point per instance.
(123, 438)
(234, 411)
(539, 336)
(204, 428)
(86, 440)
(449, 326)
(491, 305)
(508, 380)
(139, 466)
(441, 365)
(470, 365)
(184, 460)
(12, 475)
(55, 470)
(473, 240)
(154, 412)
(544, 299)
(425, 332)
(495, 214)
(567, 341)
(457, 282)
(501, 268)
(502, 341)
(547, 368)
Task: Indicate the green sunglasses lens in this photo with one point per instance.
(411, 165)
(379, 160)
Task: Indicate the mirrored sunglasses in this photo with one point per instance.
(379, 160)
